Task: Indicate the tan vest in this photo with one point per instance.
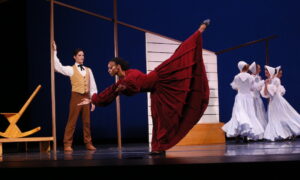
(80, 84)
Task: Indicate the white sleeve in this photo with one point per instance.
(65, 70)
(93, 86)
(282, 90)
(234, 83)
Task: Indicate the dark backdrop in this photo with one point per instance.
(25, 52)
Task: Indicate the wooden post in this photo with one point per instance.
(26, 146)
(1, 151)
(116, 50)
(267, 53)
(45, 146)
(53, 105)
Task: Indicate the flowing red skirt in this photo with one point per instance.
(181, 94)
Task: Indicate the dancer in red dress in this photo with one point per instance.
(179, 91)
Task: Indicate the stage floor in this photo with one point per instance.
(285, 154)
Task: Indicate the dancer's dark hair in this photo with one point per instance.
(119, 61)
(76, 51)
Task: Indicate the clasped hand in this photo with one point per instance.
(86, 101)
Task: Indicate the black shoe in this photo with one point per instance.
(206, 22)
(245, 139)
(157, 153)
(238, 139)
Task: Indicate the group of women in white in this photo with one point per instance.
(250, 120)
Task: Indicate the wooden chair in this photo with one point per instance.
(13, 130)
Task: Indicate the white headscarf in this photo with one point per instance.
(241, 65)
(277, 69)
(271, 70)
(252, 67)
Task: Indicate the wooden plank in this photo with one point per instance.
(213, 93)
(211, 68)
(201, 134)
(204, 134)
(212, 110)
(29, 139)
(212, 76)
(213, 102)
(209, 118)
(213, 84)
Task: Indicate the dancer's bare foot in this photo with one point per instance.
(204, 25)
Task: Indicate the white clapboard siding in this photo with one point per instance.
(213, 101)
(213, 93)
(212, 76)
(159, 49)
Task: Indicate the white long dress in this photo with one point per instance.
(283, 119)
(243, 121)
(259, 107)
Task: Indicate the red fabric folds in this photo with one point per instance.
(183, 94)
(179, 92)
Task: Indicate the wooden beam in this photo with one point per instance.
(114, 20)
(83, 11)
(245, 44)
(146, 31)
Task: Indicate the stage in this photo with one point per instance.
(258, 156)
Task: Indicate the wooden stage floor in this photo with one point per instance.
(258, 156)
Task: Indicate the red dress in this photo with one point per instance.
(179, 92)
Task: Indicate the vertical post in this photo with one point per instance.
(116, 51)
(267, 53)
(52, 76)
(1, 151)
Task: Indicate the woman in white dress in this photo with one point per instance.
(259, 107)
(279, 75)
(243, 123)
(283, 119)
